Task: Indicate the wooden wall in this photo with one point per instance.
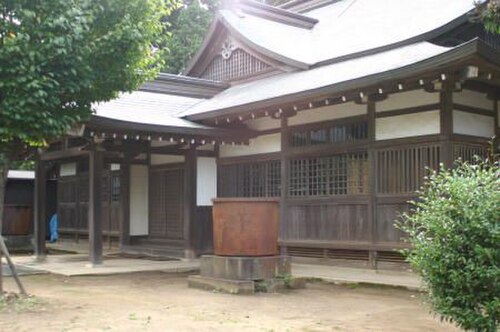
(73, 198)
(407, 134)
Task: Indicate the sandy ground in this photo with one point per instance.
(162, 302)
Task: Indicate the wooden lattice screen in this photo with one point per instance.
(259, 179)
(402, 170)
(344, 174)
(469, 152)
(330, 134)
(239, 65)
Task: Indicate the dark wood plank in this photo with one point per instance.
(40, 224)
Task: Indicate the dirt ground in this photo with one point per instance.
(162, 302)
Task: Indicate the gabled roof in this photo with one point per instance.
(344, 29)
(356, 73)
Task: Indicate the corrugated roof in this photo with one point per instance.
(347, 27)
(295, 82)
(149, 108)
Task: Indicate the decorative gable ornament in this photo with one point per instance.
(228, 47)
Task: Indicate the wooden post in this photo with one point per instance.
(496, 109)
(125, 204)
(39, 215)
(95, 206)
(284, 181)
(446, 124)
(189, 202)
(373, 175)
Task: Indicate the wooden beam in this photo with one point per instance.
(446, 123)
(40, 218)
(63, 154)
(409, 110)
(95, 206)
(170, 149)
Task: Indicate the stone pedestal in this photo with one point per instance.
(239, 275)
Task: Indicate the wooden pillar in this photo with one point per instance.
(125, 204)
(285, 169)
(40, 214)
(373, 177)
(95, 206)
(496, 109)
(190, 203)
(446, 124)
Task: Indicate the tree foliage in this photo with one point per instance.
(189, 25)
(455, 234)
(489, 15)
(59, 57)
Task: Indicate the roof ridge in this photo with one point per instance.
(277, 14)
(302, 6)
(184, 86)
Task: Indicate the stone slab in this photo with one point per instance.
(279, 284)
(244, 268)
(222, 285)
(77, 265)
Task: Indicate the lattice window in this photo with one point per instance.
(402, 170)
(345, 174)
(240, 64)
(330, 134)
(260, 179)
(115, 187)
(469, 152)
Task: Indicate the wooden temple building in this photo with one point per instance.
(334, 107)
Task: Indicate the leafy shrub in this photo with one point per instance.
(454, 229)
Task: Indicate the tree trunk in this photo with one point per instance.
(4, 169)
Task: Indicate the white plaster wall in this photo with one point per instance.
(472, 98)
(67, 169)
(115, 167)
(408, 125)
(263, 123)
(326, 113)
(473, 124)
(407, 99)
(139, 200)
(206, 147)
(166, 142)
(206, 181)
(262, 144)
(160, 159)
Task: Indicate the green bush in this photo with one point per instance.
(454, 230)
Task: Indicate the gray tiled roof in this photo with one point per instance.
(347, 27)
(148, 108)
(295, 82)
